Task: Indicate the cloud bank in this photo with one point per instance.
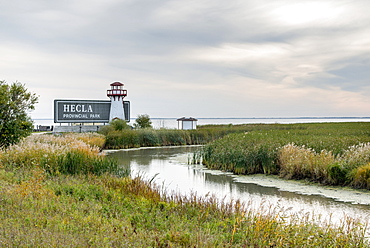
(195, 58)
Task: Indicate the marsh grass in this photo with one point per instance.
(44, 207)
(107, 211)
(127, 138)
(329, 153)
(68, 154)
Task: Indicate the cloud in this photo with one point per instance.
(200, 58)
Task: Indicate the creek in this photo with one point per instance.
(169, 167)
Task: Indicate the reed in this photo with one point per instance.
(86, 208)
(361, 177)
(299, 162)
(106, 211)
(70, 154)
(58, 192)
(127, 138)
(329, 153)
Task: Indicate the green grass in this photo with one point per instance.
(329, 153)
(127, 138)
(41, 208)
(106, 211)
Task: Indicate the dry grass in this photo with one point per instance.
(59, 154)
(329, 153)
(106, 211)
(300, 162)
(39, 209)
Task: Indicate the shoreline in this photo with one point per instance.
(301, 187)
(337, 193)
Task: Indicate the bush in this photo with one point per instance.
(143, 121)
(119, 125)
(361, 177)
(147, 137)
(337, 174)
(356, 155)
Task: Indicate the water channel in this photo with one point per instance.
(170, 168)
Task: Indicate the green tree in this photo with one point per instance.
(119, 124)
(143, 121)
(15, 104)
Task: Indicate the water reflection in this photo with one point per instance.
(170, 168)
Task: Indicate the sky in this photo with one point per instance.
(199, 58)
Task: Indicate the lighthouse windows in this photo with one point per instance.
(116, 87)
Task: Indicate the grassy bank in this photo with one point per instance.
(330, 153)
(42, 204)
(128, 138)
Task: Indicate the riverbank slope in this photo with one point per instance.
(49, 198)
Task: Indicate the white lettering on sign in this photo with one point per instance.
(65, 108)
(79, 108)
(78, 116)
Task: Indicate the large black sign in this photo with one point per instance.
(70, 111)
(78, 111)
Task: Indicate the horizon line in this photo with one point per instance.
(251, 118)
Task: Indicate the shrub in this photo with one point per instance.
(119, 125)
(337, 174)
(356, 155)
(361, 177)
(143, 121)
(105, 130)
(147, 137)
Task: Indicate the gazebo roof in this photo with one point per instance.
(187, 119)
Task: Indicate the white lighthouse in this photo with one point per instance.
(116, 95)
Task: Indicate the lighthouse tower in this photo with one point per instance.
(116, 95)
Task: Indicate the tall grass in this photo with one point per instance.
(107, 211)
(299, 162)
(127, 138)
(330, 153)
(68, 154)
(149, 137)
(52, 200)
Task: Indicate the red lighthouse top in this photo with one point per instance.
(116, 90)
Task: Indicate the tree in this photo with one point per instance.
(143, 121)
(119, 125)
(15, 103)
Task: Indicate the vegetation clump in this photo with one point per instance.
(143, 121)
(68, 154)
(139, 137)
(329, 153)
(15, 103)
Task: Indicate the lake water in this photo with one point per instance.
(169, 167)
(172, 123)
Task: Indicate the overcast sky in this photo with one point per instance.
(200, 58)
